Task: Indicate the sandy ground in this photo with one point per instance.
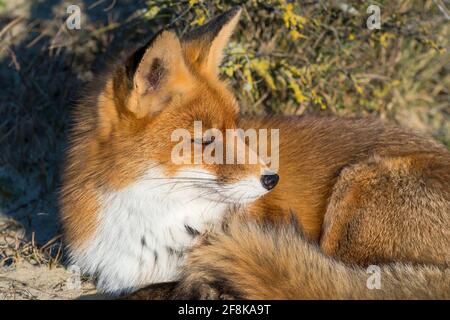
(31, 271)
(27, 282)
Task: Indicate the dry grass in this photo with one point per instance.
(311, 57)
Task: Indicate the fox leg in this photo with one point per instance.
(390, 209)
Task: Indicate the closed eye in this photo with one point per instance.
(204, 142)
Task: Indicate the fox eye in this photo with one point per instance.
(206, 142)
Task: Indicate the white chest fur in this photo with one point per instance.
(143, 231)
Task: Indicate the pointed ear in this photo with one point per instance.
(203, 47)
(156, 74)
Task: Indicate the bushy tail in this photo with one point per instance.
(248, 260)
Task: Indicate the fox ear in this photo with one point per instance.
(203, 47)
(156, 73)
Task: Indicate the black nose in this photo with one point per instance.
(269, 181)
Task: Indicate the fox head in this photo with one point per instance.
(168, 84)
(129, 209)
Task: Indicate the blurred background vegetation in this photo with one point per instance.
(289, 57)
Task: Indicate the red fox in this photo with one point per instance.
(259, 261)
(365, 192)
